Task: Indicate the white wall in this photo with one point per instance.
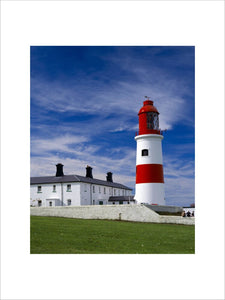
(138, 213)
(46, 193)
(151, 193)
(74, 195)
(154, 145)
(81, 194)
(93, 193)
(57, 198)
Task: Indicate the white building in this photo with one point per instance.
(75, 190)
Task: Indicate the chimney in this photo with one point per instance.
(59, 170)
(109, 177)
(89, 172)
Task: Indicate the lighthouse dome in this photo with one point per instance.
(148, 118)
(148, 107)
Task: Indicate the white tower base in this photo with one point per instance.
(150, 193)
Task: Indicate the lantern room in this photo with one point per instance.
(148, 119)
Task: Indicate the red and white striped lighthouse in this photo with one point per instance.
(149, 164)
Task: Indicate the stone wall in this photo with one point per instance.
(135, 213)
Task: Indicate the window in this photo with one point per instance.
(39, 202)
(120, 202)
(99, 189)
(93, 189)
(152, 120)
(144, 152)
(118, 192)
(85, 187)
(69, 188)
(100, 202)
(114, 192)
(39, 189)
(50, 203)
(113, 203)
(93, 202)
(104, 190)
(54, 188)
(128, 202)
(69, 202)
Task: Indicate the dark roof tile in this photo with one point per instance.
(121, 198)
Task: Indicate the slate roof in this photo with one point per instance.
(121, 198)
(75, 178)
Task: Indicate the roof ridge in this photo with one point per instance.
(76, 176)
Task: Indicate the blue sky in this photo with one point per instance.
(84, 105)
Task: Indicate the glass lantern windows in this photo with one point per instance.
(152, 120)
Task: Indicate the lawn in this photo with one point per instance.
(52, 235)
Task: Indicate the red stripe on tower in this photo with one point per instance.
(149, 173)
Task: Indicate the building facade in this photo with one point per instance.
(76, 190)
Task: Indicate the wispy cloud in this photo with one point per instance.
(180, 191)
(122, 103)
(45, 165)
(60, 144)
(179, 180)
(77, 149)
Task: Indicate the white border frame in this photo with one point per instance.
(195, 23)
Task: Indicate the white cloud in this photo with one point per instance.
(121, 168)
(76, 154)
(180, 191)
(179, 181)
(58, 144)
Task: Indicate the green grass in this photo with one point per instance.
(52, 235)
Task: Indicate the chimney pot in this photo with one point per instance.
(89, 172)
(109, 177)
(59, 170)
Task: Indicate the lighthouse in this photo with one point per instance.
(149, 163)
